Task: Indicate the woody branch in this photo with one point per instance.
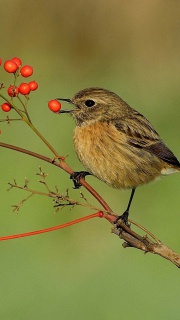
(132, 239)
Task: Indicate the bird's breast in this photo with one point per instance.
(104, 152)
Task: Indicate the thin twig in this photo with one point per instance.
(63, 165)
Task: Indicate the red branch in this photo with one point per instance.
(61, 226)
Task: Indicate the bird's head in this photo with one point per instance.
(94, 104)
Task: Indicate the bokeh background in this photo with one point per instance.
(82, 272)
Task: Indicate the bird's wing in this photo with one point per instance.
(141, 134)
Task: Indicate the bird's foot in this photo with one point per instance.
(123, 218)
(76, 176)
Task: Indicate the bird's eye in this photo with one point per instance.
(89, 103)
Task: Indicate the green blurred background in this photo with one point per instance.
(130, 47)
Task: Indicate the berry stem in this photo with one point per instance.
(29, 123)
(25, 108)
(43, 139)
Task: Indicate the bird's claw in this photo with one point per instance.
(76, 176)
(123, 218)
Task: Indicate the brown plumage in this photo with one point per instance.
(116, 143)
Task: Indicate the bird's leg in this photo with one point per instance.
(76, 176)
(124, 216)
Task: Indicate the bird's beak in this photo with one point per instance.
(68, 101)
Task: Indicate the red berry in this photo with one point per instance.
(6, 107)
(54, 105)
(24, 88)
(13, 91)
(33, 85)
(17, 61)
(0, 61)
(10, 66)
(26, 71)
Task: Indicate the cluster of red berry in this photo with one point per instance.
(15, 66)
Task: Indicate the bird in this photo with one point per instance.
(116, 143)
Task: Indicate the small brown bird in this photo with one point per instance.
(116, 143)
